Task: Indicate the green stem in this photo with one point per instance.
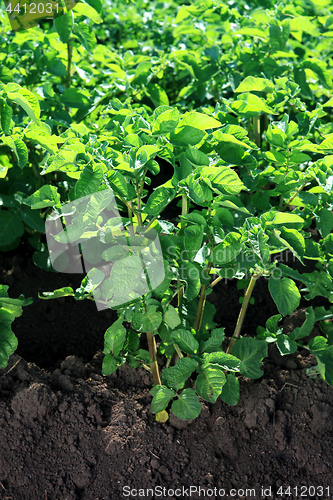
(184, 212)
(242, 312)
(69, 63)
(153, 355)
(294, 196)
(256, 126)
(202, 301)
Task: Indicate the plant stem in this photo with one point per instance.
(242, 312)
(256, 126)
(184, 212)
(69, 63)
(213, 283)
(202, 301)
(294, 196)
(153, 355)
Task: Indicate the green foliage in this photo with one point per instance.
(238, 102)
(9, 310)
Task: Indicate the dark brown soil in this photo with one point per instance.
(67, 432)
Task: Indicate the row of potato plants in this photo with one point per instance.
(241, 111)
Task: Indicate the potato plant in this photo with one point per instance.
(239, 105)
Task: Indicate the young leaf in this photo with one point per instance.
(214, 342)
(186, 341)
(227, 250)
(64, 26)
(251, 352)
(286, 345)
(162, 397)
(187, 406)
(115, 337)
(46, 196)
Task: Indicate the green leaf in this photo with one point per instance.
(19, 148)
(186, 135)
(288, 221)
(111, 364)
(285, 294)
(209, 384)
(230, 390)
(251, 352)
(64, 25)
(115, 337)
(187, 406)
(190, 273)
(6, 113)
(303, 23)
(186, 341)
(24, 98)
(166, 122)
(8, 341)
(286, 345)
(199, 120)
(171, 317)
(227, 250)
(90, 179)
(293, 240)
(320, 69)
(158, 200)
(180, 372)
(84, 9)
(11, 227)
(66, 291)
(162, 397)
(278, 34)
(147, 321)
(42, 138)
(214, 342)
(75, 99)
(324, 218)
(32, 219)
(157, 94)
(224, 179)
(46, 196)
(223, 360)
(193, 240)
(250, 105)
(306, 328)
(251, 83)
(86, 36)
(255, 32)
(326, 359)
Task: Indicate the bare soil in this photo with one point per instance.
(68, 433)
